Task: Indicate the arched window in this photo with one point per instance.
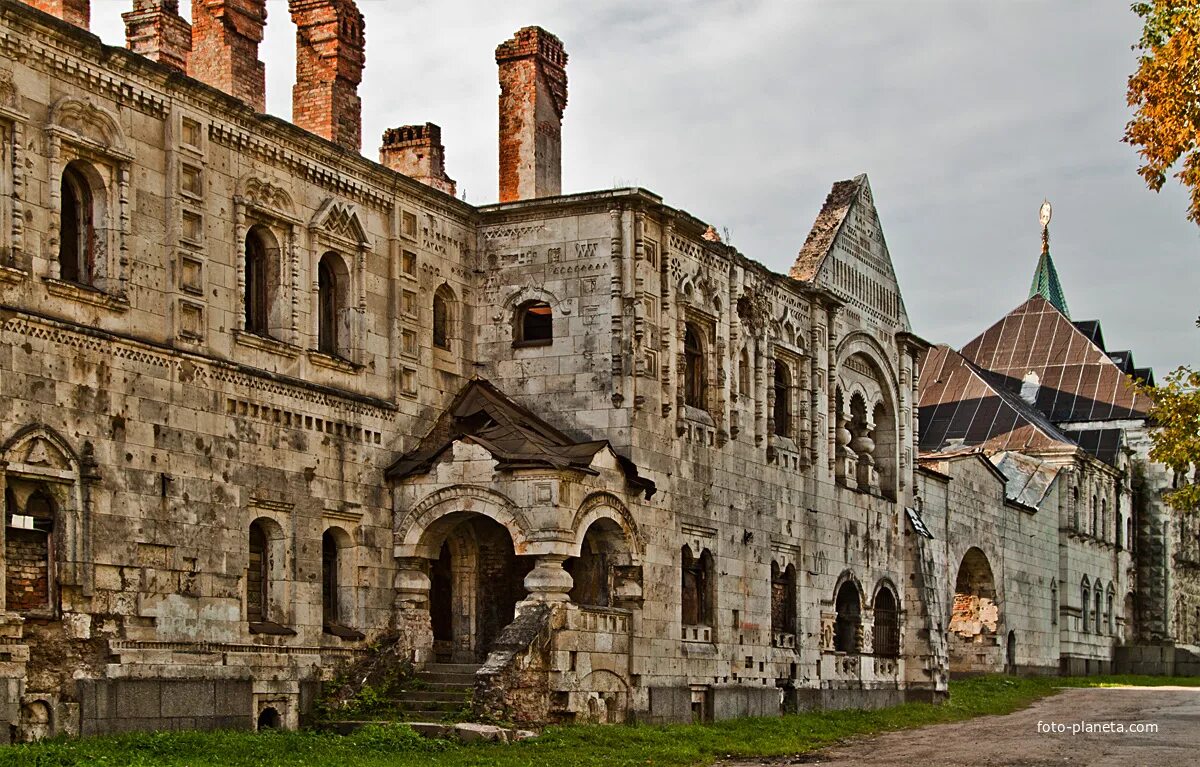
(264, 578)
(783, 399)
(333, 287)
(262, 279)
(29, 554)
(1130, 541)
(846, 631)
(330, 614)
(1098, 614)
(534, 324)
(783, 605)
(1095, 517)
(443, 301)
(1075, 509)
(1086, 600)
(696, 588)
(1119, 527)
(1103, 534)
(694, 374)
(887, 624)
(77, 238)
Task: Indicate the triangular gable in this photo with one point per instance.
(847, 254)
(1077, 381)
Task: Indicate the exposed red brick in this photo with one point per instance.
(225, 38)
(155, 29)
(417, 152)
(77, 12)
(533, 95)
(330, 55)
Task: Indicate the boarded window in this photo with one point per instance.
(257, 575)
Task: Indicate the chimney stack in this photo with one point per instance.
(330, 55)
(417, 152)
(155, 29)
(533, 95)
(77, 12)
(225, 38)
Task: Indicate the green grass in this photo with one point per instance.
(666, 746)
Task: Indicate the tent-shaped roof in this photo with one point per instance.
(1076, 380)
(1047, 285)
(515, 437)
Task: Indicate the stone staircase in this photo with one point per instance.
(443, 692)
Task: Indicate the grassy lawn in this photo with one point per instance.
(666, 746)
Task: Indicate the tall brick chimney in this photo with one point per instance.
(417, 152)
(330, 55)
(533, 95)
(155, 29)
(77, 12)
(225, 38)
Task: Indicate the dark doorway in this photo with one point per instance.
(441, 598)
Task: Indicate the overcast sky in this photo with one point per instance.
(965, 115)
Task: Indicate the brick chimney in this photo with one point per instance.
(225, 38)
(533, 94)
(330, 55)
(155, 29)
(77, 12)
(417, 152)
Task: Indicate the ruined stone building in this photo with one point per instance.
(266, 400)
(1074, 564)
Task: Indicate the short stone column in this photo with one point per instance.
(411, 607)
(548, 581)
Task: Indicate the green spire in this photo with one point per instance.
(1045, 279)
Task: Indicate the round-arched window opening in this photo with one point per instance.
(535, 324)
(269, 719)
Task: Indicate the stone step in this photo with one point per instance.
(424, 716)
(424, 693)
(447, 678)
(460, 688)
(453, 668)
(425, 704)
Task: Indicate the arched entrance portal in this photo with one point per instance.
(475, 584)
(974, 641)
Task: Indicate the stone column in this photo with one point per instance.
(548, 581)
(411, 607)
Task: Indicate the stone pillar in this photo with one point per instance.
(330, 56)
(417, 152)
(77, 12)
(548, 581)
(225, 38)
(155, 29)
(411, 607)
(533, 95)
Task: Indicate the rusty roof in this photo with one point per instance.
(483, 415)
(1077, 381)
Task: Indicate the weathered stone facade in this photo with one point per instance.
(265, 399)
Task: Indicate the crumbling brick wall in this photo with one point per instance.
(27, 570)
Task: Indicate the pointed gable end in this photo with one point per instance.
(847, 254)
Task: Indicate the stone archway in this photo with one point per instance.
(974, 633)
(475, 583)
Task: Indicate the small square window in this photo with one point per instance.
(191, 180)
(408, 382)
(408, 263)
(190, 133)
(408, 303)
(408, 343)
(652, 253)
(193, 227)
(408, 224)
(191, 275)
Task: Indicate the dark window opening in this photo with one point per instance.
(257, 576)
(783, 599)
(329, 579)
(783, 400)
(77, 229)
(328, 307)
(269, 719)
(535, 323)
(847, 629)
(441, 320)
(257, 296)
(694, 384)
(887, 624)
(696, 588)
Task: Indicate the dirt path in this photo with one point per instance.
(1015, 740)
